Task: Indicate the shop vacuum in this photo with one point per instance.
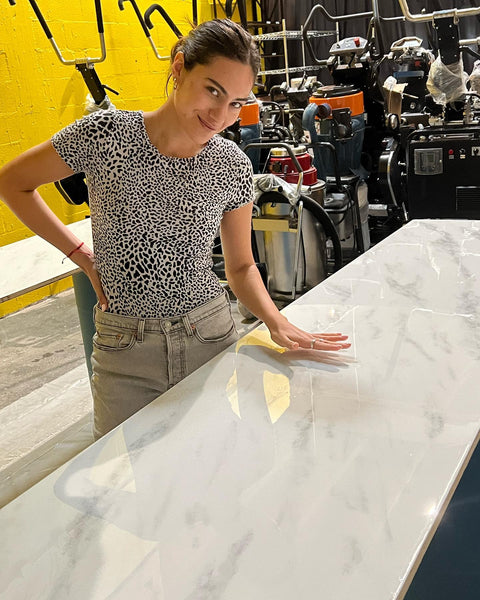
(334, 125)
(294, 240)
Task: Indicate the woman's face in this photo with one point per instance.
(208, 98)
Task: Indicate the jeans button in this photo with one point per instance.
(167, 325)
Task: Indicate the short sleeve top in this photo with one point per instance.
(154, 217)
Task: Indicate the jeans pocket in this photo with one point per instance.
(215, 327)
(113, 339)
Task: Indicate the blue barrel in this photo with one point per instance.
(349, 148)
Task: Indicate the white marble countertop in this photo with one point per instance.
(32, 263)
(274, 475)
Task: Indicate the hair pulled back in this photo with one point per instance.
(218, 37)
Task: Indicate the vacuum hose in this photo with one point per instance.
(319, 213)
(328, 226)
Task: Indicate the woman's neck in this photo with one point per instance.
(166, 134)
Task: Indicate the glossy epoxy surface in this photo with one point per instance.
(271, 474)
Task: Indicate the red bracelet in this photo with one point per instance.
(74, 250)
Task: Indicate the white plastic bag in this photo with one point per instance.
(446, 83)
(268, 182)
(91, 107)
(474, 81)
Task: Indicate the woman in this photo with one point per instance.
(160, 185)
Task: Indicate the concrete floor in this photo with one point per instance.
(40, 343)
(45, 399)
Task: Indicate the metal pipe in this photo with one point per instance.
(155, 51)
(454, 13)
(377, 49)
(163, 12)
(471, 42)
(148, 24)
(467, 50)
(285, 52)
(336, 18)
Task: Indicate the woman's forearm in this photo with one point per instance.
(249, 289)
(30, 208)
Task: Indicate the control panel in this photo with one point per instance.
(428, 161)
(352, 45)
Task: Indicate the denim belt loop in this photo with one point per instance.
(140, 330)
(187, 325)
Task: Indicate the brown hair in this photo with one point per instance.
(218, 37)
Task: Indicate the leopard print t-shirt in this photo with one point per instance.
(154, 217)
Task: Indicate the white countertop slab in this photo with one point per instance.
(280, 475)
(32, 263)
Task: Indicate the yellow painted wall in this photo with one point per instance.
(39, 95)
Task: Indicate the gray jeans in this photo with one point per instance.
(135, 360)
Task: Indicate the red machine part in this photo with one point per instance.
(281, 164)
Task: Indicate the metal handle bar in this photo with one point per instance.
(399, 44)
(453, 12)
(166, 17)
(98, 12)
(48, 33)
(144, 27)
(377, 19)
(147, 24)
(137, 12)
(288, 148)
(229, 9)
(335, 18)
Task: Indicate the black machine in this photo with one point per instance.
(422, 154)
(443, 173)
(442, 161)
